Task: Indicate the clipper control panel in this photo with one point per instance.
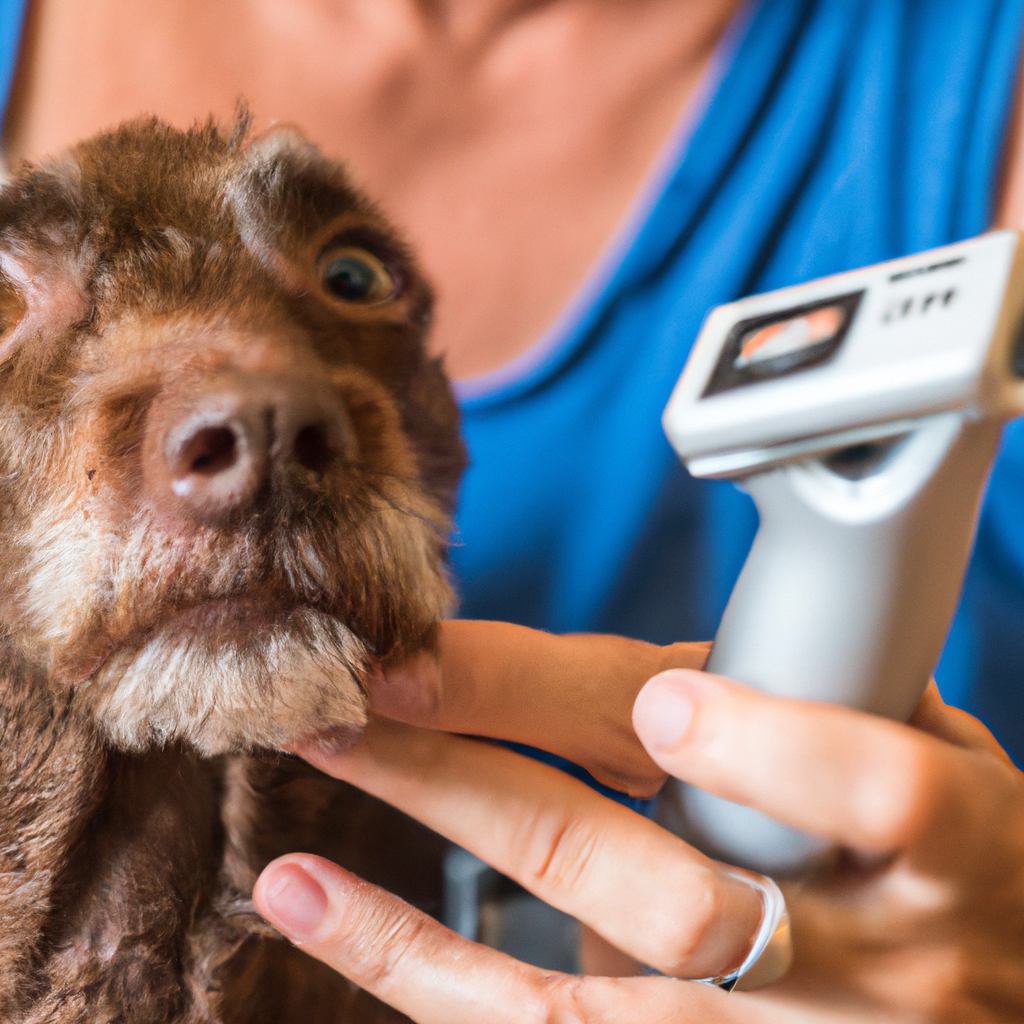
(844, 355)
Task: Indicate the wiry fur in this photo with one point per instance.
(146, 669)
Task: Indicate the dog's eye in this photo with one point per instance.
(355, 275)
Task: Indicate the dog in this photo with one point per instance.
(227, 470)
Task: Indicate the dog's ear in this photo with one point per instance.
(277, 141)
(40, 296)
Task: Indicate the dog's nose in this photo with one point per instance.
(209, 452)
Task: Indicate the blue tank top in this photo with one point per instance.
(12, 14)
(829, 134)
(834, 134)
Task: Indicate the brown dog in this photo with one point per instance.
(226, 471)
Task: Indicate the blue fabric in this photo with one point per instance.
(641, 806)
(12, 15)
(844, 132)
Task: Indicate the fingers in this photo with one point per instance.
(643, 889)
(412, 962)
(937, 718)
(570, 695)
(849, 777)
(391, 950)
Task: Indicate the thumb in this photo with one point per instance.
(390, 949)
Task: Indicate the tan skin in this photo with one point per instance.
(529, 124)
(509, 138)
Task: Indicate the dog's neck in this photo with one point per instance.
(109, 861)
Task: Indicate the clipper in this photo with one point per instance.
(862, 412)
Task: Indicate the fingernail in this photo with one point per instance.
(662, 714)
(296, 901)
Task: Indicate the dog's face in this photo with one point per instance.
(226, 463)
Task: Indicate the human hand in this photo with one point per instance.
(924, 923)
(571, 695)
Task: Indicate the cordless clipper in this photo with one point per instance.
(862, 412)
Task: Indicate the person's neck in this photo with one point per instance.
(468, 20)
(470, 25)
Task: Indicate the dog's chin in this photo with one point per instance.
(224, 678)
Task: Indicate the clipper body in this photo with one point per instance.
(862, 413)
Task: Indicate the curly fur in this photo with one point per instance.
(148, 669)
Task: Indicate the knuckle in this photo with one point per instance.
(897, 804)
(683, 934)
(560, 851)
(385, 942)
(561, 995)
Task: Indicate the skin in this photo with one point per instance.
(542, 119)
(538, 119)
(922, 920)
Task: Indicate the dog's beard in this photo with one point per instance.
(211, 638)
(224, 679)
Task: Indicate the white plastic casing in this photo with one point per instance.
(910, 351)
(862, 412)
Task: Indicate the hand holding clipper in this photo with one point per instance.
(862, 412)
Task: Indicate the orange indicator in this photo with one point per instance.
(791, 335)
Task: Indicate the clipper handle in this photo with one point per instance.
(846, 596)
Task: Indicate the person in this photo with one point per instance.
(597, 174)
